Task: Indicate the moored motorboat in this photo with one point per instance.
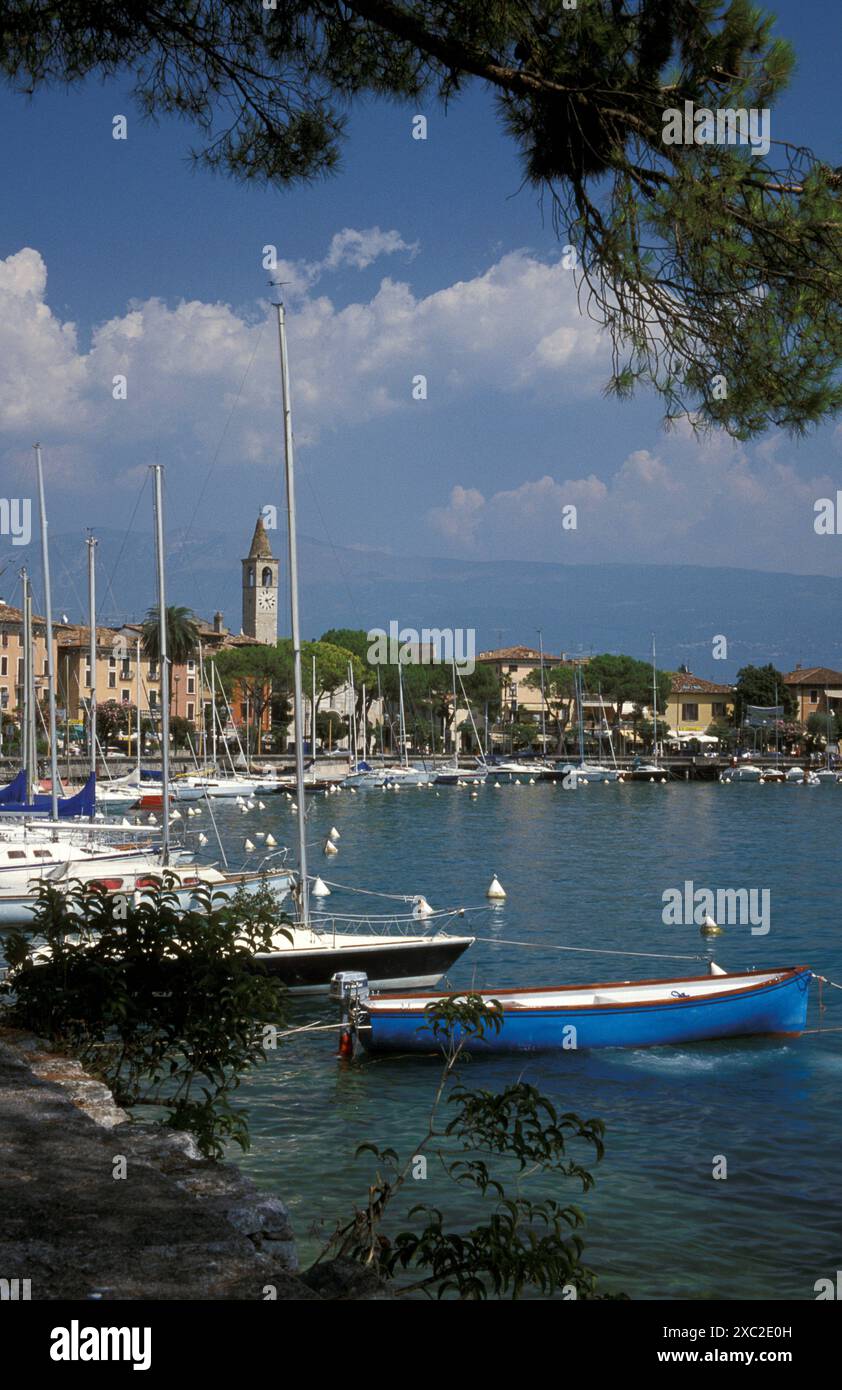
(625, 1013)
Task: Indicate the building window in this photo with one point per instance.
(191, 685)
(4, 698)
(191, 665)
(717, 709)
(112, 680)
(125, 697)
(153, 699)
(112, 661)
(690, 713)
(191, 711)
(87, 679)
(20, 670)
(153, 672)
(5, 641)
(4, 666)
(126, 670)
(266, 577)
(814, 697)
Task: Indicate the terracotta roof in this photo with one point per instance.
(685, 683)
(813, 675)
(517, 654)
(77, 634)
(260, 547)
(8, 614)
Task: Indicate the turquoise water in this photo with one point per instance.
(589, 869)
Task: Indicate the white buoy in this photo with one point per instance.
(474, 796)
(330, 847)
(495, 889)
(532, 781)
(334, 833)
(203, 839)
(248, 846)
(496, 784)
(293, 806)
(715, 969)
(320, 889)
(125, 822)
(270, 840)
(175, 815)
(420, 907)
(261, 805)
(152, 819)
(260, 834)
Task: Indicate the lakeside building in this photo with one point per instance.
(513, 665)
(11, 656)
(695, 703)
(817, 689)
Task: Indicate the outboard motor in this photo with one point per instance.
(349, 988)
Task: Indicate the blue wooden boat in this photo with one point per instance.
(624, 1013)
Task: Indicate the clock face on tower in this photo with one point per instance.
(266, 601)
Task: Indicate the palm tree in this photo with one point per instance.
(182, 638)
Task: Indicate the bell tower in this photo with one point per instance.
(260, 589)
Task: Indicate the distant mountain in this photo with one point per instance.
(782, 618)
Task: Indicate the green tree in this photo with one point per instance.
(715, 267)
(517, 1242)
(182, 638)
(625, 680)
(255, 673)
(559, 689)
(125, 987)
(764, 686)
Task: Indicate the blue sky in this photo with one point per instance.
(419, 257)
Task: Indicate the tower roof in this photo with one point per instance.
(260, 547)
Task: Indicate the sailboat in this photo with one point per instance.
(397, 775)
(642, 770)
(454, 775)
(580, 773)
(305, 955)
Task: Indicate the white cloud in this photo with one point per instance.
(692, 501)
(188, 365)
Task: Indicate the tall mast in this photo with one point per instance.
(213, 713)
(137, 711)
(298, 697)
(26, 749)
(91, 544)
(580, 700)
(543, 704)
(313, 721)
(48, 616)
(164, 667)
(654, 705)
(202, 730)
(401, 717)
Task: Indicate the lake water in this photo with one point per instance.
(589, 869)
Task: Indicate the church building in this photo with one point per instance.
(260, 589)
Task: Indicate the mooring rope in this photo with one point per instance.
(588, 950)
